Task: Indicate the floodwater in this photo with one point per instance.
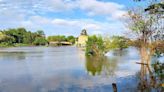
(66, 69)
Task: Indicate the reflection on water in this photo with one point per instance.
(15, 55)
(151, 80)
(120, 52)
(66, 69)
(99, 65)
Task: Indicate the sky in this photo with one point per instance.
(65, 17)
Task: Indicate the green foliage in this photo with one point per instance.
(159, 50)
(71, 39)
(40, 33)
(158, 70)
(18, 34)
(57, 38)
(118, 42)
(100, 65)
(21, 37)
(157, 8)
(60, 38)
(6, 39)
(95, 46)
(107, 44)
(137, 21)
(94, 65)
(21, 45)
(40, 41)
(5, 44)
(29, 38)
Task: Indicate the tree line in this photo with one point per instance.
(22, 37)
(60, 38)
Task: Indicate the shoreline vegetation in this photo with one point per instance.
(19, 37)
(96, 45)
(99, 46)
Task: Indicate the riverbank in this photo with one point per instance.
(5, 45)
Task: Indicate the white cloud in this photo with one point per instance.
(93, 26)
(79, 23)
(91, 7)
(71, 26)
(63, 22)
(39, 20)
(94, 7)
(64, 26)
(26, 13)
(56, 5)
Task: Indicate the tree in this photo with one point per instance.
(18, 34)
(118, 42)
(40, 41)
(58, 38)
(144, 25)
(95, 46)
(5, 38)
(157, 8)
(28, 38)
(21, 36)
(40, 33)
(71, 39)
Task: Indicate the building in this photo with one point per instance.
(82, 39)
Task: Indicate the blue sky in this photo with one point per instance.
(67, 17)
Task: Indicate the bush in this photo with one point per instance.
(40, 41)
(5, 44)
(71, 39)
(118, 42)
(95, 46)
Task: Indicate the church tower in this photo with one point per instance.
(82, 39)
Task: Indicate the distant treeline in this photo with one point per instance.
(60, 38)
(22, 37)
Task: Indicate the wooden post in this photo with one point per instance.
(114, 87)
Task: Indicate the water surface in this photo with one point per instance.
(66, 69)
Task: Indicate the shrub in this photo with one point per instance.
(40, 41)
(95, 46)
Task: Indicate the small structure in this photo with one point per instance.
(82, 39)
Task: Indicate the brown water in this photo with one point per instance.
(66, 69)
